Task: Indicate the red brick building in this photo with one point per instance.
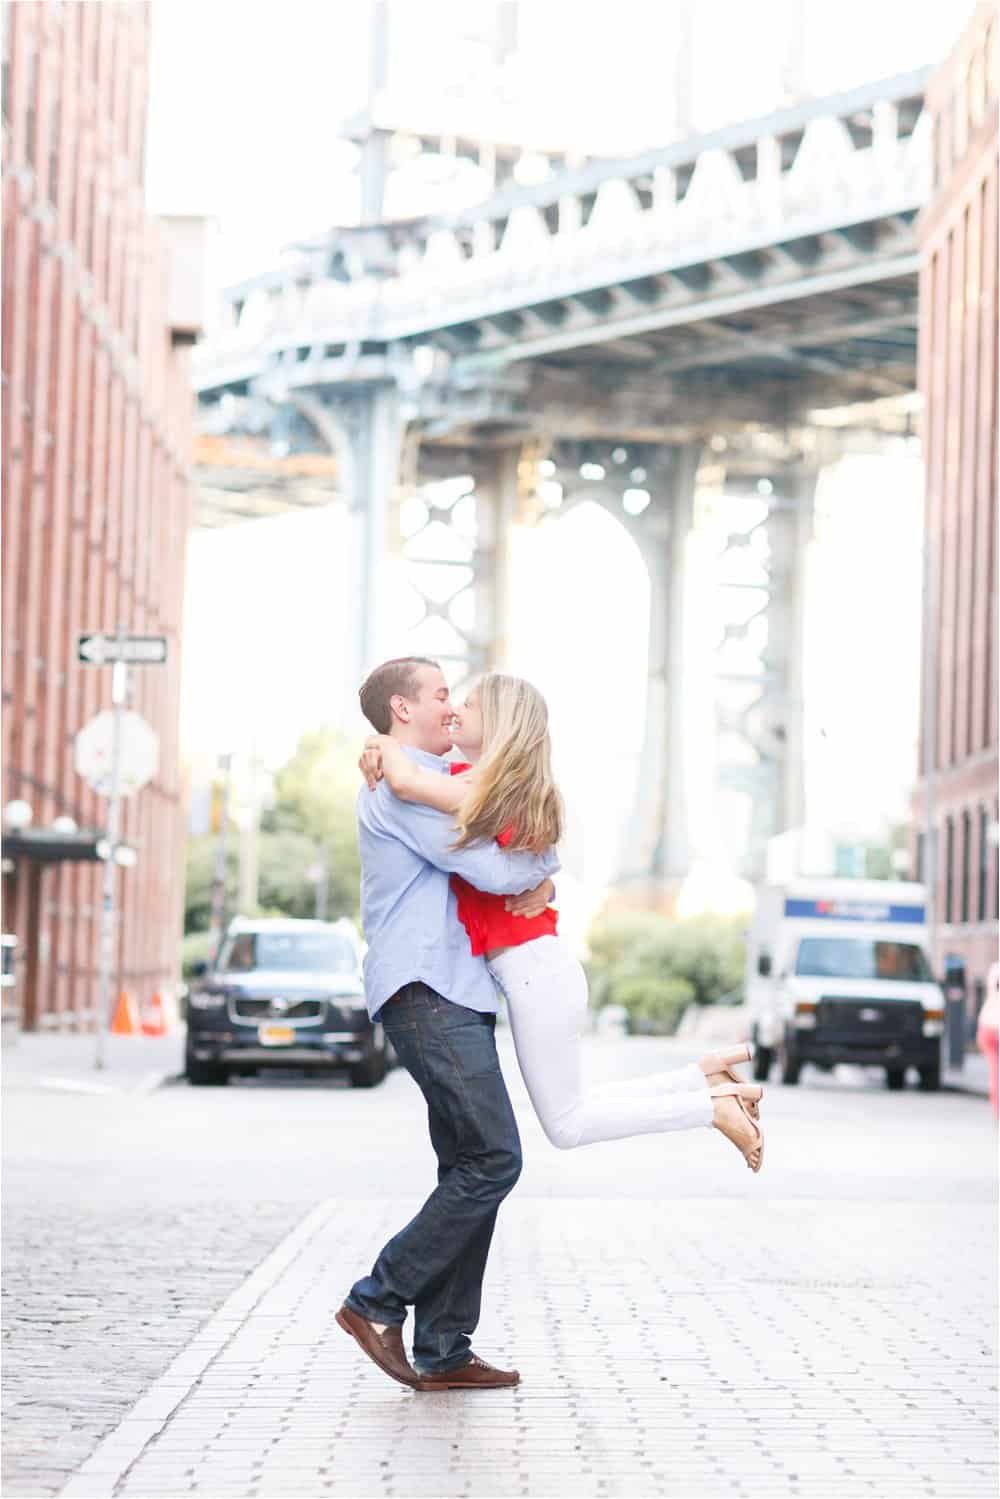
(958, 381)
(96, 437)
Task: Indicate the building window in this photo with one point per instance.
(30, 87)
(977, 88)
(56, 126)
(92, 228)
(5, 62)
(994, 880)
(966, 863)
(922, 857)
(983, 870)
(960, 129)
(949, 868)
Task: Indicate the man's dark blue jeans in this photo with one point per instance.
(437, 1262)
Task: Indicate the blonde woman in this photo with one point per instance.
(503, 790)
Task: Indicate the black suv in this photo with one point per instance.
(283, 994)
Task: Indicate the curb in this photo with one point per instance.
(149, 1082)
(100, 1474)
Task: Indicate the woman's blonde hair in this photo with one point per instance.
(514, 788)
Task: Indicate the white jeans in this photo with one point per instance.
(546, 991)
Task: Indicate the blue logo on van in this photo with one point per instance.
(854, 910)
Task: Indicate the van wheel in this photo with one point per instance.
(930, 1078)
(763, 1057)
(896, 1078)
(791, 1067)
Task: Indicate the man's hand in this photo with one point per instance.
(532, 902)
(370, 763)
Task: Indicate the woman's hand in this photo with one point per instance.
(370, 763)
(532, 902)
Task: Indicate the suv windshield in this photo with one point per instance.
(861, 958)
(288, 952)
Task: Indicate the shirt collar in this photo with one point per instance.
(424, 757)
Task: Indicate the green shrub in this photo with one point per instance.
(655, 967)
(196, 947)
(654, 1005)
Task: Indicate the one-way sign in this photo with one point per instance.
(134, 650)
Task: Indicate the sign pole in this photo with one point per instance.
(119, 692)
(218, 916)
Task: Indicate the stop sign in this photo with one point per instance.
(139, 753)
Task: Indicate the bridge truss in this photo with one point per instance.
(695, 307)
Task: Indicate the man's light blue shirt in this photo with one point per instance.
(408, 909)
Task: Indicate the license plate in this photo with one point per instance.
(276, 1035)
(870, 1015)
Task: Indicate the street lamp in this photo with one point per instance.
(18, 815)
(634, 501)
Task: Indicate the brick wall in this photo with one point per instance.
(958, 381)
(96, 440)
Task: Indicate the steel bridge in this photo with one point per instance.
(620, 332)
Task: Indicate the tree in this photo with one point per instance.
(314, 797)
(313, 812)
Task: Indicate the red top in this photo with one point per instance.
(483, 915)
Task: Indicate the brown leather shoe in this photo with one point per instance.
(383, 1348)
(477, 1374)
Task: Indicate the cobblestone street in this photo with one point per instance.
(682, 1328)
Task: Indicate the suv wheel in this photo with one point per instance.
(896, 1078)
(370, 1072)
(930, 1078)
(204, 1074)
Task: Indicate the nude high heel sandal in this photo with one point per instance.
(743, 1094)
(724, 1070)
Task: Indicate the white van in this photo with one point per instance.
(839, 971)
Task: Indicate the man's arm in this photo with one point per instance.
(431, 835)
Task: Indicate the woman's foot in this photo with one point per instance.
(732, 1102)
(717, 1067)
(718, 1061)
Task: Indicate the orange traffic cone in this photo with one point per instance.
(154, 1020)
(126, 1021)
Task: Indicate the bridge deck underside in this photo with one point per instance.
(772, 364)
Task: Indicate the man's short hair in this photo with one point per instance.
(384, 683)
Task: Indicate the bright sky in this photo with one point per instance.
(247, 100)
(246, 106)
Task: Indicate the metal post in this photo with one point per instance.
(250, 847)
(119, 694)
(928, 874)
(221, 849)
(322, 882)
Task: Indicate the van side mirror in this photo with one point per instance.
(199, 969)
(764, 965)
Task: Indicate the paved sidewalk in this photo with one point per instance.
(769, 1359)
(133, 1064)
(972, 1077)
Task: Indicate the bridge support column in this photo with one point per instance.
(496, 512)
(771, 720)
(789, 531)
(366, 427)
(656, 853)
